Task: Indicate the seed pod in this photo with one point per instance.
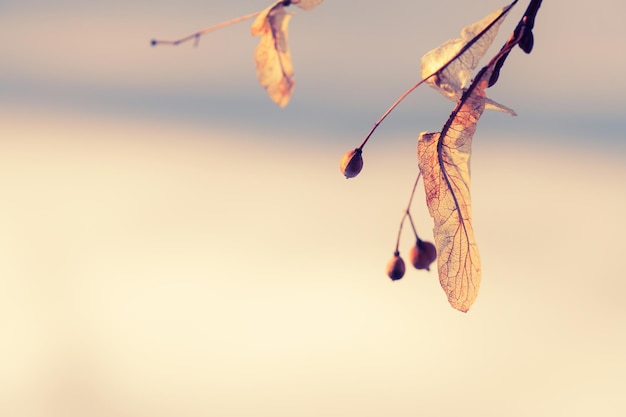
(395, 267)
(351, 163)
(423, 254)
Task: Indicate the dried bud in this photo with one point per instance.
(351, 163)
(423, 254)
(527, 41)
(395, 267)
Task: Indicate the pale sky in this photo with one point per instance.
(173, 243)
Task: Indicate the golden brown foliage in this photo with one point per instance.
(271, 57)
(453, 61)
(444, 164)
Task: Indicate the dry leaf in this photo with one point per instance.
(305, 4)
(272, 58)
(444, 161)
(449, 67)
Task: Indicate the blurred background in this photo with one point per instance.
(173, 243)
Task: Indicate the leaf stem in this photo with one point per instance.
(196, 35)
(495, 64)
(407, 213)
(458, 54)
(408, 207)
(531, 12)
(417, 238)
(390, 109)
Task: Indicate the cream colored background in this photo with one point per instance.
(171, 243)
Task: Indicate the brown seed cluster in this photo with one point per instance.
(423, 254)
(395, 267)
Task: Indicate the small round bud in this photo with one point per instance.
(527, 41)
(423, 254)
(351, 163)
(395, 267)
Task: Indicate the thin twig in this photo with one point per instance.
(443, 67)
(206, 30)
(407, 213)
(390, 109)
(417, 238)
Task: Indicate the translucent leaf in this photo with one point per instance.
(492, 105)
(449, 67)
(306, 4)
(444, 161)
(271, 56)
